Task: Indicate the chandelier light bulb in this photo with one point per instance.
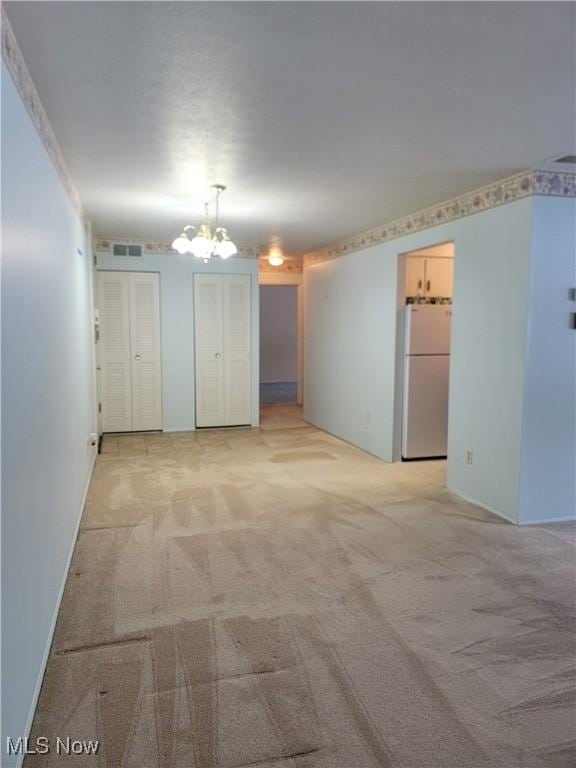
(205, 244)
(201, 247)
(181, 244)
(225, 249)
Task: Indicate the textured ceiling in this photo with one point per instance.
(323, 119)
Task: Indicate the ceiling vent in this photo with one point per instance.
(566, 159)
(122, 249)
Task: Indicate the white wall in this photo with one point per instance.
(548, 488)
(177, 321)
(349, 348)
(351, 318)
(47, 403)
(278, 333)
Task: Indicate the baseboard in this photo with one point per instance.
(481, 505)
(543, 521)
(48, 647)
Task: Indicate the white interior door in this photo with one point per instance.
(237, 362)
(115, 374)
(209, 338)
(145, 351)
(222, 311)
(130, 358)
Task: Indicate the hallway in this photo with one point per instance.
(272, 597)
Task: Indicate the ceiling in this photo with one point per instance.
(323, 119)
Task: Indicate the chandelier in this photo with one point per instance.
(206, 241)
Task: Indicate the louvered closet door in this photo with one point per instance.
(145, 351)
(131, 387)
(209, 344)
(237, 363)
(115, 364)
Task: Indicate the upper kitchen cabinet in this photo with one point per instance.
(429, 276)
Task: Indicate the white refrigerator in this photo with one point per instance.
(426, 377)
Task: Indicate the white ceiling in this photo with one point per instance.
(323, 119)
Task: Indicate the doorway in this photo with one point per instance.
(423, 361)
(279, 344)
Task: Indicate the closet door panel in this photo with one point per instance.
(237, 362)
(145, 351)
(115, 374)
(209, 352)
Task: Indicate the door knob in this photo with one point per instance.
(217, 355)
(137, 357)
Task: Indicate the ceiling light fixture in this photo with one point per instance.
(205, 243)
(275, 256)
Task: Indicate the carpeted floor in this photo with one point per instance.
(277, 598)
(278, 392)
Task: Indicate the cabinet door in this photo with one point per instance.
(209, 337)
(415, 270)
(237, 362)
(145, 351)
(439, 277)
(115, 374)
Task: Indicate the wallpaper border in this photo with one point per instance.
(157, 248)
(526, 184)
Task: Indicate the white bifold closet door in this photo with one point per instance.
(222, 312)
(130, 363)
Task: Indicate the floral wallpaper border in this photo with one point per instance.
(14, 60)
(104, 245)
(526, 184)
(292, 265)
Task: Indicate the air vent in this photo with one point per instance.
(122, 249)
(566, 159)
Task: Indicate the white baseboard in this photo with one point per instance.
(46, 654)
(545, 520)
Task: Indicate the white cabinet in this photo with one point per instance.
(438, 277)
(222, 320)
(129, 354)
(429, 276)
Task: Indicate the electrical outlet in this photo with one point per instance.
(469, 456)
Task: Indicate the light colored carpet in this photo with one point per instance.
(278, 392)
(277, 598)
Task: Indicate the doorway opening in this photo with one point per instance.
(423, 366)
(279, 345)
